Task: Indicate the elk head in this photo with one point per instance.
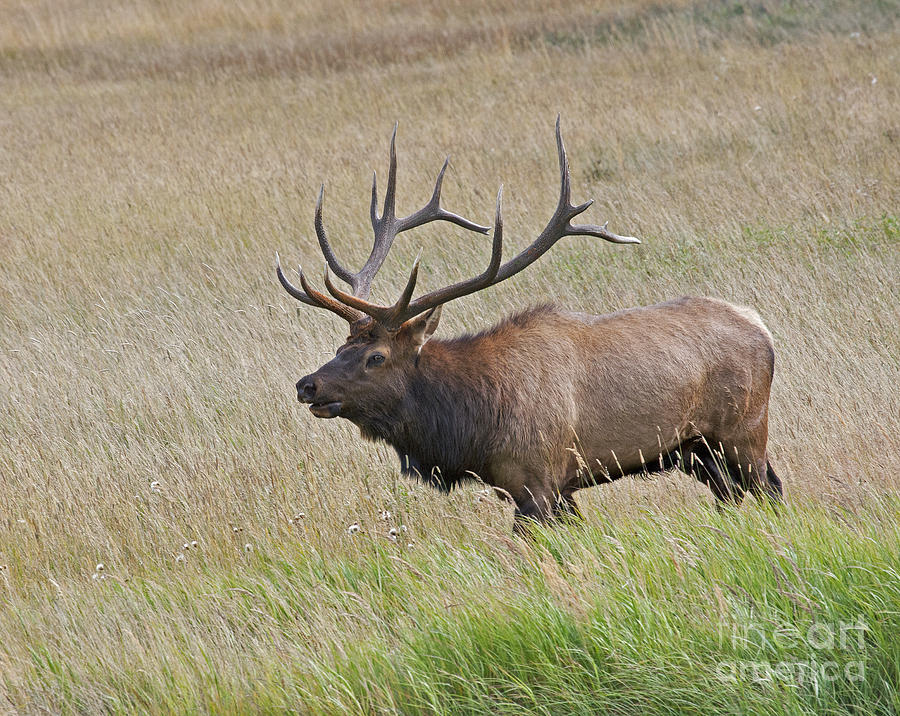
(368, 379)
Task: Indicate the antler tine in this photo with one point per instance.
(383, 226)
(289, 287)
(311, 297)
(433, 211)
(564, 183)
(344, 311)
(326, 246)
(560, 223)
(388, 211)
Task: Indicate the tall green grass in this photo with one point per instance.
(796, 611)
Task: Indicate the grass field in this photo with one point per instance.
(153, 158)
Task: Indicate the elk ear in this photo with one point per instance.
(422, 327)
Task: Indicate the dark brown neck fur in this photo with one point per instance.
(444, 428)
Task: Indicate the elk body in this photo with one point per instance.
(548, 401)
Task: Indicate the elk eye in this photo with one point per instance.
(376, 359)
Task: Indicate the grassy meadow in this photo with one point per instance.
(174, 527)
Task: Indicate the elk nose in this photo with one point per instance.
(306, 390)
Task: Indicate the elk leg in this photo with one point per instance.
(530, 509)
(774, 483)
(703, 464)
(753, 473)
(766, 486)
(567, 507)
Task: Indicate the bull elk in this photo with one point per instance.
(548, 401)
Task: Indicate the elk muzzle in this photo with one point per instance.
(308, 392)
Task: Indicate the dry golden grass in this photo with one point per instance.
(154, 156)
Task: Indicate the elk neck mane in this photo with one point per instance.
(454, 407)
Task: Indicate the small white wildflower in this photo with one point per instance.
(385, 515)
(353, 529)
(95, 576)
(403, 528)
(179, 557)
(409, 544)
(194, 544)
(100, 567)
(393, 532)
(757, 108)
(155, 486)
(235, 529)
(186, 546)
(248, 547)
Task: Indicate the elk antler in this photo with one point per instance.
(560, 225)
(403, 310)
(385, 227)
